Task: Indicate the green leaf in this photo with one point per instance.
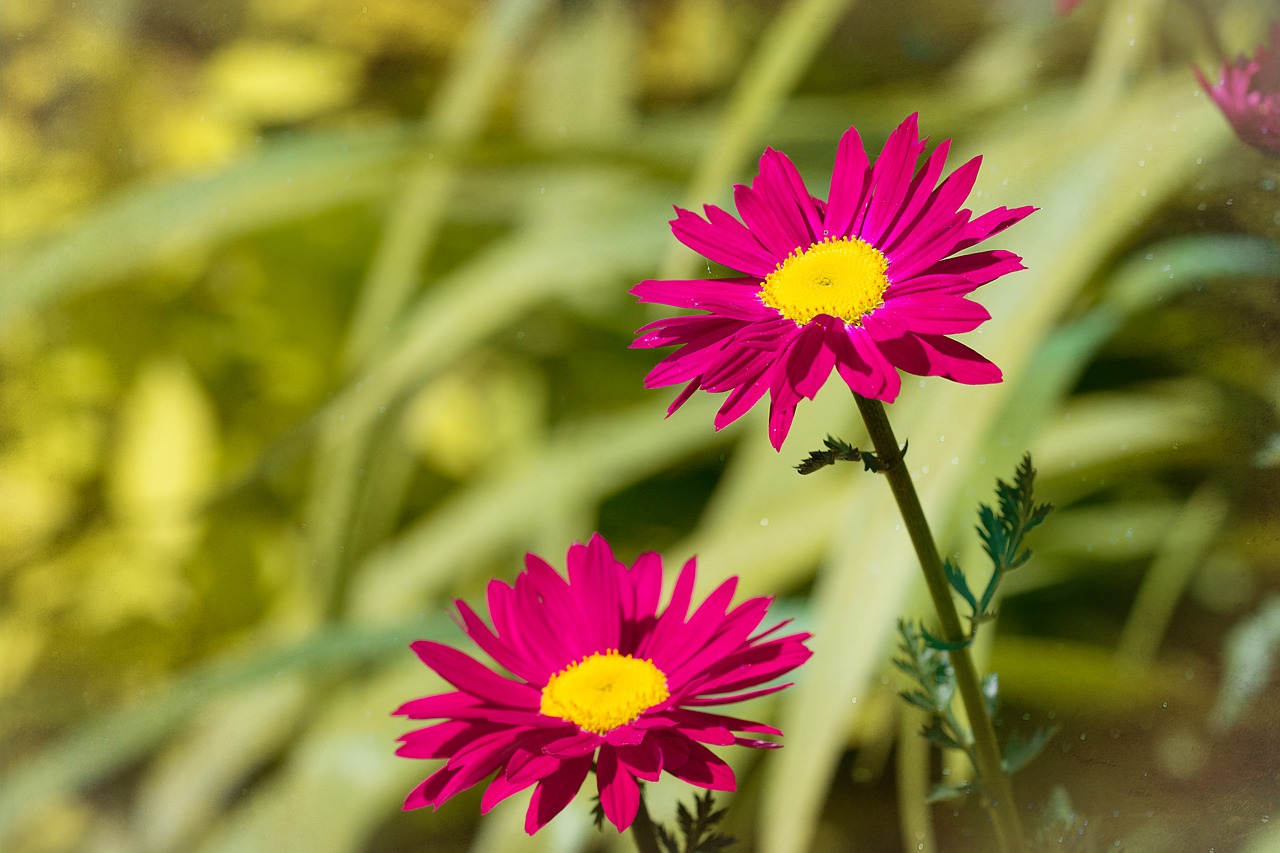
(697, 828)
(837, 451)
(1019, 751)
(941, 644)
(955, 576)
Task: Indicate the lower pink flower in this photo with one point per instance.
(600, 676)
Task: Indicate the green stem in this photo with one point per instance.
(643, 832)
(1001, 803)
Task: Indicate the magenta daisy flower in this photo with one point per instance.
(867, 283)
(1248, 93)
(601, 676)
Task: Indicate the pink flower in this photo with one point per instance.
(866, 283)
(1248, 93)
(599, 674)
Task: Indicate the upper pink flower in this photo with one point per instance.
(599, 674)
(1248, 93)
(867, 282)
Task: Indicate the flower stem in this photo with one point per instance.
(642, 830)
(1001, 803)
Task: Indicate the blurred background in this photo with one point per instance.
(313, 316)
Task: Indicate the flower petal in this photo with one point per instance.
(939, 314)
(701, 766)
(935, 355)
(499, 789)
(738, 298)
(766, 223)
(554, 793)
(470, 676)
(784, 192)
(891, 177)
(850, 185)
(619, 791)
(723, 240)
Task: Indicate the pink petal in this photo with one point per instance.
(701, 767)
(439, 706)
(675, 645)
(784, 192)
(528, 762)
(918, 195)
(482, 758)
(533, 768)
(765, 225)
(427, 793)
(958, 276)
(741, 399)
(936, 314)
(756, 665)
(850, 185)
(699, 330)
(926, 246)
(935, 355)
(991, 223)
(671, 622)
(554, 793)
(441, 740)
(939, 211)
(890, 178)
(738, 298)
(470, 676)
(723, 240)
(577, 744)
(499, 789)
(810, 359)
(494, 647)
(619, 792)
(593, 582)
(783, 400)
(734, 698)
(736, 367)
(639, 611)
(730, 634)
(888, 383)
(644, 760)
(524, 635)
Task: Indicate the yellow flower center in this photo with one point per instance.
(604, 691)
(844, 278)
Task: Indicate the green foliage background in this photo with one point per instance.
(313, 315)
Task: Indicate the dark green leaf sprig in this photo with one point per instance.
(932, 688)
(697, 830)
(1002, 534)
(839, 450)
(925, 659)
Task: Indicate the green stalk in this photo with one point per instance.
(1003, 809)
(642, 830)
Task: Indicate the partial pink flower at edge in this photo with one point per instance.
(600, 673)
(1248, 93)
(866, 283)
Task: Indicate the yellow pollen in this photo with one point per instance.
(844, 278)
(604, 691)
